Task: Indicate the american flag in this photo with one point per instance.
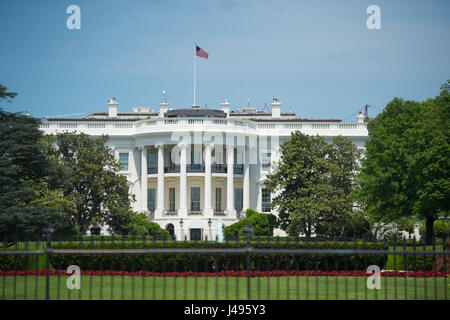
(200, 52)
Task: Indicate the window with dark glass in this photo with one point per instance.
(196, 234)
(195, 199)
(172, 199)
(170, 227)
(266, 161)
(123, 160)
(151, 200)
(265, 200)
(152, 162)
(238, 199)
(218, 199)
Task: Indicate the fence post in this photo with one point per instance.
(48, 232)
(248, 232)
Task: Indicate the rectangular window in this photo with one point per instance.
(195, 199)
(196, 234)
(172, 199)
(239, 156)
(238, 192)
(265, 161)
(123, 159)
(151, 200)
(265, 206)
(196, 157)
(152, 162)
(218, 199)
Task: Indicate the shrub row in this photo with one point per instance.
(205, 262)
(21, 262)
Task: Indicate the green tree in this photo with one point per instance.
(339, 219)
(27, 177)
(441, 229)
(406, 169)
(99, 194)
(313, 183)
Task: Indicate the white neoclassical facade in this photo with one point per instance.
(192, 169)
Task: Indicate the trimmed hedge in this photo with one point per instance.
(22, 262)
(416, 262)
(261, 223)
(410, 262)
(209, 262)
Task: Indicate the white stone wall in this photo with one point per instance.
(130, 137)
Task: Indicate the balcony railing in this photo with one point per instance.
(188, 122)
(200, 168)
(172, 168)
(219, 168)
(152, 170)
(170, 212)
(195, 167)
(238, 168)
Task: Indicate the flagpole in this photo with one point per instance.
(195, 74)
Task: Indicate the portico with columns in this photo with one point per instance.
(177, 188)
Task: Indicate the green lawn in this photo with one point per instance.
(202, 288)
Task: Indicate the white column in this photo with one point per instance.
(182, 210)
(208, 211)
(160, 198)
(259, 202)
(135, 188)
(144, 191)
(246, 186)
(230, 181)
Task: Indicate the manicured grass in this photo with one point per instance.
(233, 288)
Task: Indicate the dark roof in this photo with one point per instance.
(94, 119)
(267, 114)
(296, 120)
(195, 112)
(127, 113)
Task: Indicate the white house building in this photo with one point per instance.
(192, 168)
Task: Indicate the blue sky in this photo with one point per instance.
(317, 56)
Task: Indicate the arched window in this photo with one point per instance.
(171, 230)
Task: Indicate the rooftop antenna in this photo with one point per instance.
(366, 110)
(164, 98)
(290, 108)
(248, 102)
(265, 107)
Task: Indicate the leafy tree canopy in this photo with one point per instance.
(100, 196)
(406, 169)
(28, 180)
(313, 184)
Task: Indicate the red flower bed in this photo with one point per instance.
(229, 273)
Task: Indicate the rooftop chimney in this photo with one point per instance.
(164, 105)
(225, 107)
(360, 117)
(276, 108)
(112, 107)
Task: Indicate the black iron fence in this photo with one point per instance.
(252, 268)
